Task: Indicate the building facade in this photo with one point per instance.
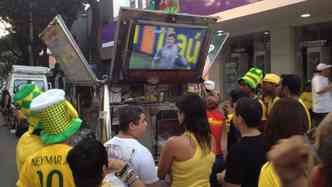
(284, 36)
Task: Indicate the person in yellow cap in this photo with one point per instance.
(48, 167)
(29, 142)
(270, 85)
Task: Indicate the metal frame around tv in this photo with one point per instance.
(129, 17)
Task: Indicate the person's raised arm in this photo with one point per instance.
(120, 167)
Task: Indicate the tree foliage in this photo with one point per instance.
(17, 13)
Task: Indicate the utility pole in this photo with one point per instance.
(95, 35)
(31, 63)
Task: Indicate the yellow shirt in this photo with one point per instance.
(47, 168)
(27, 145)
(194, 172)
(264, 110)
(270, 102)
(268, 177)
(307, 112)
(307, 99)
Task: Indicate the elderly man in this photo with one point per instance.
(321, 92)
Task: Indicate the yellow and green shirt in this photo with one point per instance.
(26, 146)
(47, 168)
(307, 99)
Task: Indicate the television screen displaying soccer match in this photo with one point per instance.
(166, 47)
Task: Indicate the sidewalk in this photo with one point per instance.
(8, 174)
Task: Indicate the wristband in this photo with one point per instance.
(133, 180)
(122, 171)
(127, 175)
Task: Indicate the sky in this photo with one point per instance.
(3, 26)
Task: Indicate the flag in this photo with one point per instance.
(217, 44)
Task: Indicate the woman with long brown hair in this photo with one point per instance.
(189, 158)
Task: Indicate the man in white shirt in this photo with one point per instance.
(126, 147)
(321, 92)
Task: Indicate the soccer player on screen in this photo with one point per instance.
(169, 57)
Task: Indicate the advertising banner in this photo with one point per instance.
(208, 7)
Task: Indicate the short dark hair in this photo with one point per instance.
(127, 114)
(287, 118)
(250, 110)
(86, 161)
(293, 83)
(171, 34)
(236, 94)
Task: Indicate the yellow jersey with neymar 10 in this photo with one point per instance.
(47, 168)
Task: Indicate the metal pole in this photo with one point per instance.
(31, 63)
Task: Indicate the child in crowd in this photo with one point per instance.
(245, 158)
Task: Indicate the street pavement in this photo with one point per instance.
(8, 174)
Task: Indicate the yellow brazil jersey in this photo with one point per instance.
(268, 177)
(307, 112)
(27, 145)
(47, 168)
(264, 110)
(270, 102)
(307, 99)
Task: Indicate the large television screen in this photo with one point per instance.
(160, 46)
(156, 47)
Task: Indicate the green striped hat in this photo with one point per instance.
(253, 77)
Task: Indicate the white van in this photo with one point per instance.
(21, 75)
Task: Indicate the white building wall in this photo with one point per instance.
(283, 51)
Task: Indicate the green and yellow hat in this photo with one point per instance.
(59, 118)
(23, 99)
(252, 78)
(24, 96)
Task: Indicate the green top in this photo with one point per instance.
(23, 92)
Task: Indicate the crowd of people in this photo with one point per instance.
(267, 134)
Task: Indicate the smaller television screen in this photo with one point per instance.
(166, 46)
